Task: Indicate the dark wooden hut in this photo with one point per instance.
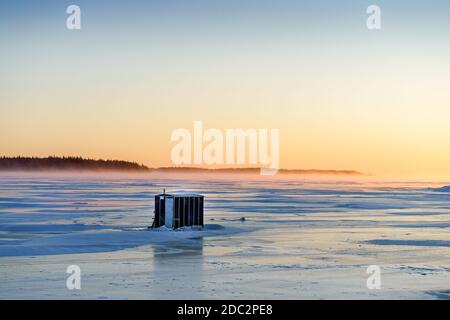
(176, 210)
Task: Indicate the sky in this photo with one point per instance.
(342, 96)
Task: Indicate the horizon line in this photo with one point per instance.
(135, 166)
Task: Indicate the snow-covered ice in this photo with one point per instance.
(300, 239)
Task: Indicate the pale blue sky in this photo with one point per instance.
(310, 68)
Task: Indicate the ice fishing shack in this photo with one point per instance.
(176, 210)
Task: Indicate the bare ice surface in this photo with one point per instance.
(300, 239)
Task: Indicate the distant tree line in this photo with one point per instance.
(67, 163)
(79, 163)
